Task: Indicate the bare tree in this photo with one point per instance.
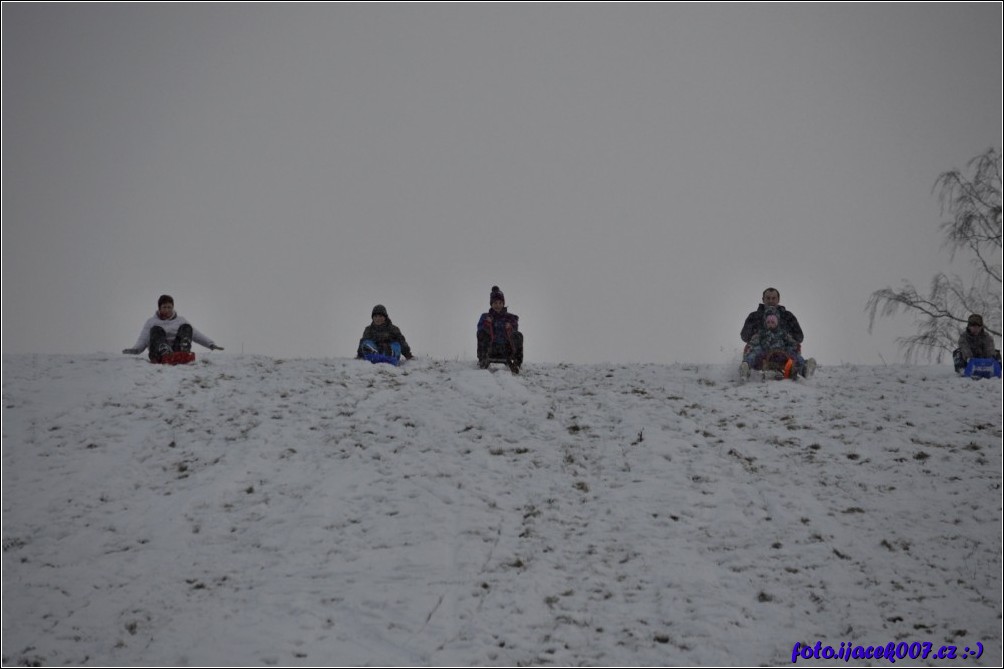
(974, 204)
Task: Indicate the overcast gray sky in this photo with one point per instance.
(631, 175)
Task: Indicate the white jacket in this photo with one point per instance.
(170, 326)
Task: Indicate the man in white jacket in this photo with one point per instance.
(167, 332)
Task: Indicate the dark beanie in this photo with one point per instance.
(379, 309)
(163, 299)
(496, 295)
(769, 313)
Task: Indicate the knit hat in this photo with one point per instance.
(163, 299)
(771, 318)
(976, 319)
(496, 295)
(379, 310)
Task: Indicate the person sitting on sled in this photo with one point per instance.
(168, 332)
(498, 334)
(383, 337)
(754, 321)
(773, 345)
(974, 342)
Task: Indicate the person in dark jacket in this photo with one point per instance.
(974, 342)
(498, 334)
(754, 322)
(383, 337)
(168, 332)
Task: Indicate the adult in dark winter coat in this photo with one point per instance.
(754, 322)
(384, 336)
(974, 342)
(168, 332)
(498, 333)
(773, 340)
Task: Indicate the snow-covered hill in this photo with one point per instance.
(254, 511)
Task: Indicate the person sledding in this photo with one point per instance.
(169, 336)
(499, 338)
(382, 341)
(976, 344)
(771, 297)
(773, 348)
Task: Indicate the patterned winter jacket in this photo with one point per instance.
(754, 323)
(498, 321)
(980, 346)
(773, 340)
(383, 336)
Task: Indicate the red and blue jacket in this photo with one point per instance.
(496, 323)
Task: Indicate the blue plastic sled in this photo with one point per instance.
(982, 368)
(371, 353)
(379, 357)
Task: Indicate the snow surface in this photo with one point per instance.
(247, 510)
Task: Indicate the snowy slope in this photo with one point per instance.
(253, 511)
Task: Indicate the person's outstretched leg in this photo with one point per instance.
(183, 342)
(484, 343)
(958, 361)
(158, 343)
(517, 340)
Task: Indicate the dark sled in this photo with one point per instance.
(776, 366)
(779, 369)
(486, 363)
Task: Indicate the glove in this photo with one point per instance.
(214, 347)
(409, 356)
(130, 351)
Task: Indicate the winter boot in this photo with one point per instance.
(183, 342)
(958, 361)
(158, 344)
